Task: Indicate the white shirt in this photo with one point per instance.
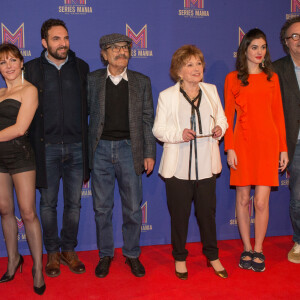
(203, 144)
(116, 79)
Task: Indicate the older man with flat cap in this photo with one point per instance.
(121, 145)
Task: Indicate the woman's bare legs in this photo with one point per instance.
(261, 204)
(25, 189)
(243, 217)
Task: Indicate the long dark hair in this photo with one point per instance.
(241, 61)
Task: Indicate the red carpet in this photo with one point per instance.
(281, 279)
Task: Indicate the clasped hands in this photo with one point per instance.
(189, 134)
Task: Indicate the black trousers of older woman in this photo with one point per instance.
(180, 195)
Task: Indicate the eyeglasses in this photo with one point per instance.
(209, 134)
(116, 48)
(294, 37)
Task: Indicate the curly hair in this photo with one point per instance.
(8, 48)
(284, 29)
(181, 56)
(48, 24)
(241, 61)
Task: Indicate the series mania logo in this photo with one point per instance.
(251, 213)
(86, 190)
(75, 7)
(193, 9)
(295, 9)
(139, 47)
(17, 38)
(241, 35)
(21, 230)
(145, 225)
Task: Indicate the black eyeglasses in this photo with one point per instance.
(207, 134)
(116, 48)
(294, 37)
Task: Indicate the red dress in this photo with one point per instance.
(259, 132)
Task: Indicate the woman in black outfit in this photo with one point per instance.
(18, 103)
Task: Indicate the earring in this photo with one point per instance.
(22, 75)
(263, 63)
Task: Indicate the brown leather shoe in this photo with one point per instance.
(71, 260)
(52, 268)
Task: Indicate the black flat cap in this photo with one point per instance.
(113, 38)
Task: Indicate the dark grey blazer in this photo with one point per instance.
(141, 115)
(290, 93)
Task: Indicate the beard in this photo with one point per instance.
(54, 53)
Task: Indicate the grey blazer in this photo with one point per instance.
(284, 67)
(141, 115)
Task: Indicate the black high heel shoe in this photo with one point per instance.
(182, 276)
(222, 274)
(6, 277)
(38, 290)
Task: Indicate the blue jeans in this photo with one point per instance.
(295, 193)
(62, 161)
(113, 159)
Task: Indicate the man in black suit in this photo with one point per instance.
(288, 70)
(121, 145)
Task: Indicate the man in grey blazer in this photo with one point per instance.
(121, 145)
(288, 70)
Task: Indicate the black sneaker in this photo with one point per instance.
(246, 264)
(137, 269)
(102, 268)
(258, 266)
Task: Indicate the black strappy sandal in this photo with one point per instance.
(258, 266)
(246, 264)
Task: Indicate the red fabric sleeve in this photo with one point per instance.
(229, 111)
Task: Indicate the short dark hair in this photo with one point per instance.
(284, 29)
(8, 48)
(241, 60)
(181, 56)
(48, 24)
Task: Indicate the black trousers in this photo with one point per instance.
(180, 195)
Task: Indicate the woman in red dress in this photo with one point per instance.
(256, 142)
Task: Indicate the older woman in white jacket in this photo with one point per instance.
(190, 121)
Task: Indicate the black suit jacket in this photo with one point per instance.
(141, 115)
(284, 67)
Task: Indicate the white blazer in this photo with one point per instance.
(167, 128)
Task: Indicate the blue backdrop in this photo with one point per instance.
(158, 28)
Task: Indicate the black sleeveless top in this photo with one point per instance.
(16, 155)
(9, 109)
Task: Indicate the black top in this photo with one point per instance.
(62, 103)
(35, 73)
(9, 109)
(116, 124)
